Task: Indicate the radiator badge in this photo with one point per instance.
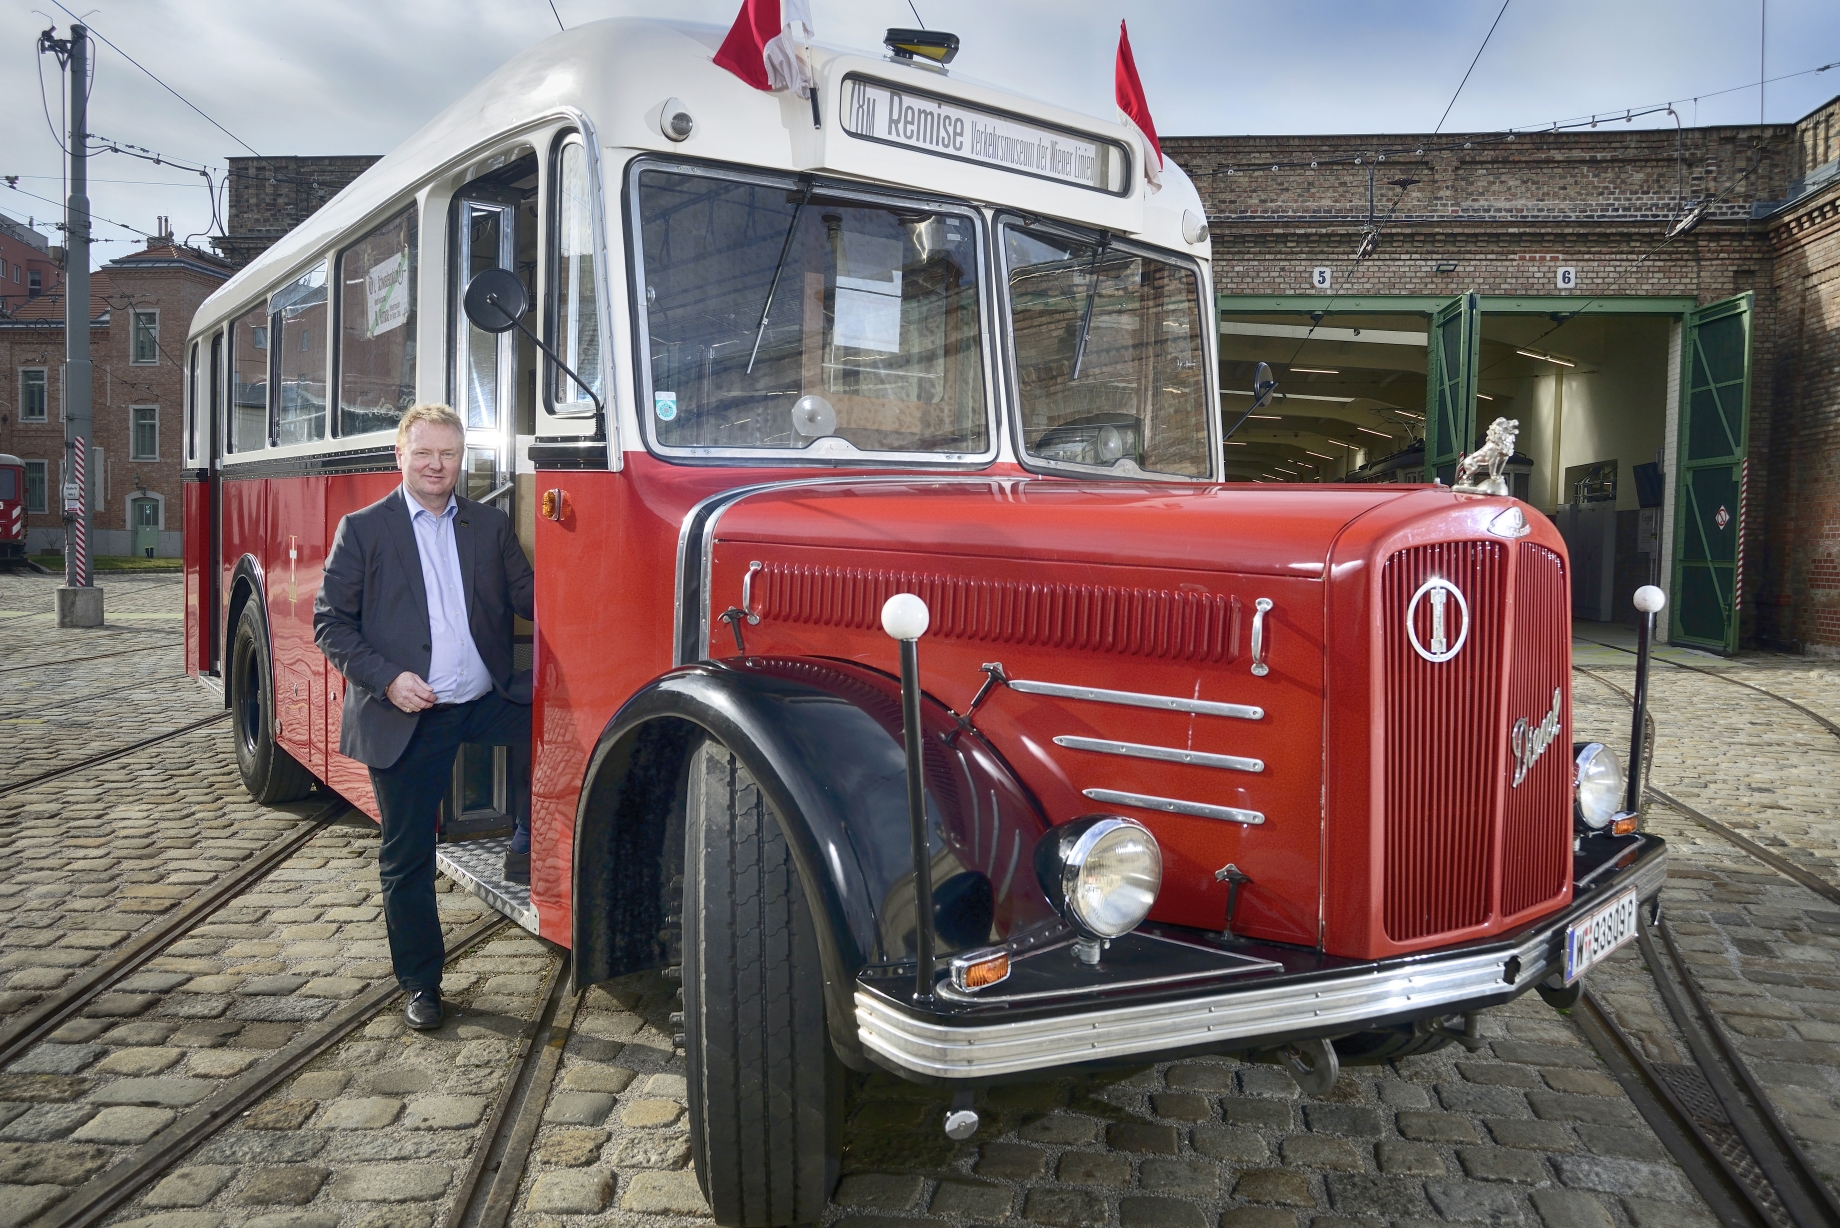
(1442, 596)
(1529, 742)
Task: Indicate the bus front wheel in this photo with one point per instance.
(269, 773)
(766, 1091)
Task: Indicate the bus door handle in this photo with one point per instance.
(1262, 607)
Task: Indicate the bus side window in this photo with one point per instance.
(574, 308)
(248, 425)
(298, 339)
(190, 447)
(377, 326)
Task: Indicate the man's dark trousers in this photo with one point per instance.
(409, 794)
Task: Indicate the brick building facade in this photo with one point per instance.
(140, 308)
(1501, 215)
(271, 196)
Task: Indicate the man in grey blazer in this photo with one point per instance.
(415, 610)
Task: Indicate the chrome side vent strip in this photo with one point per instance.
(1171, 805)
(1139, 699)
(1165, 754)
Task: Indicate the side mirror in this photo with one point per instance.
(1263, 385)
(495, 300)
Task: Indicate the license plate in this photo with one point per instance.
(1591, 940)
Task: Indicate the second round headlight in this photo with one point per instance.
(1102, 872)
(1600, 785)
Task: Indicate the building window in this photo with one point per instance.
(146, 337)
(34, 283)
(145, 420)
(35, 487)
(32, 398)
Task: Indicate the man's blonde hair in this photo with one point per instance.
(430, 412)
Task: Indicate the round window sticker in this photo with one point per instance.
(664, 404)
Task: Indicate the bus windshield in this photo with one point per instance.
(779, 316)
(1109, 356)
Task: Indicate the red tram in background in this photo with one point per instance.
(12, 511)
(1206, 767)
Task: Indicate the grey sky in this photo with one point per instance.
(357, 76)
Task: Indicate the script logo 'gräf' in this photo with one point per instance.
(1529, 742)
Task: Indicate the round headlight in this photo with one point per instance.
(1102, 873)
(1600, 785)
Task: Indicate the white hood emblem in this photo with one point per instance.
(1445, 620)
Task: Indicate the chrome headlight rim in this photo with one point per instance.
(1071, 846)
(1596, 801)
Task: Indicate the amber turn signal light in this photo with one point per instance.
(555, 504)
(981, 973)
(1624, 826)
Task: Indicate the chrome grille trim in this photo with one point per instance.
(1164, 754)
(1174, 805)
(1138, 699)
(965, 1051)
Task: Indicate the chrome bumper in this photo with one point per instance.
(933, 1047)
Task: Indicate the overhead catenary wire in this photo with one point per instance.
(102, 38)
(1472, 67)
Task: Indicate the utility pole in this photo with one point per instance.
(79, 601)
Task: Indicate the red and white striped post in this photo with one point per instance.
(78, 573)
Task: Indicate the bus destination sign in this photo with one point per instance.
(877, 111)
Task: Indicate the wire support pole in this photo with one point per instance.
(78, 372)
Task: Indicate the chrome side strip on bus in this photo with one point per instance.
(1165, 754)
(1344, 1002)
(1175, 805)
(1139, 699)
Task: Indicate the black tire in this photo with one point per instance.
(269, 773)
(766, 1091)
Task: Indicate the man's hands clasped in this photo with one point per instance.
(410, 693)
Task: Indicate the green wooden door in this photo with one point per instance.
(1452, 351)
(1715, 398)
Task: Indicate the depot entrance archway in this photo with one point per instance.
(1633, 418)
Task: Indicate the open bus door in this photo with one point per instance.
(1451, 360)
(1715, 401)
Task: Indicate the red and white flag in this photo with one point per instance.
(768, 46)
(1136, 107)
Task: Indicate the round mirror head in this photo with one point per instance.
(814, 417)
(1263, 385)
(495, 300)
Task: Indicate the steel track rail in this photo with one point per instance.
(489, 1191)
(1781, 865)
(1803, 1194)
(94, 656)
(41, 1020)
(32, 782)
(1812, 715)
(96, 1198)
(1734, 1200)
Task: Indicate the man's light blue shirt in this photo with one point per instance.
(455, 670)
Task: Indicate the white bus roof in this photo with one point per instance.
(619, 73)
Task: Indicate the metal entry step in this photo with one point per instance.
(479, 866)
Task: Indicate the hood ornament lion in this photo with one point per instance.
(1479, 473)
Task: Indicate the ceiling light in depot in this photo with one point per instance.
(1267, 417)
(1314, 371)
(1483, 396)
(1324, 455)
(1371, 431)
(1553, 358)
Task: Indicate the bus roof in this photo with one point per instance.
(617, 74)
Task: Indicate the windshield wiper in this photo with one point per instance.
(1092, 293)
(792, 229)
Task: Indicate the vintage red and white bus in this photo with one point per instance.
(1207, 766)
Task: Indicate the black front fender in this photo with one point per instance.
(823, 740)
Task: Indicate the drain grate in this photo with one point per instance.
(1696, 1096)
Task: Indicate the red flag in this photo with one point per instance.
(1132, 102)
(766, 48)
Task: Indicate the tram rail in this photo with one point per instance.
(31, 782)
(87, 657)
(1712, 1114)
(93, 1201)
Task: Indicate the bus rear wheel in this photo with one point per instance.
(269, 773)
(766, 1091)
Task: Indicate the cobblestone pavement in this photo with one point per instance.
(377, 1133)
